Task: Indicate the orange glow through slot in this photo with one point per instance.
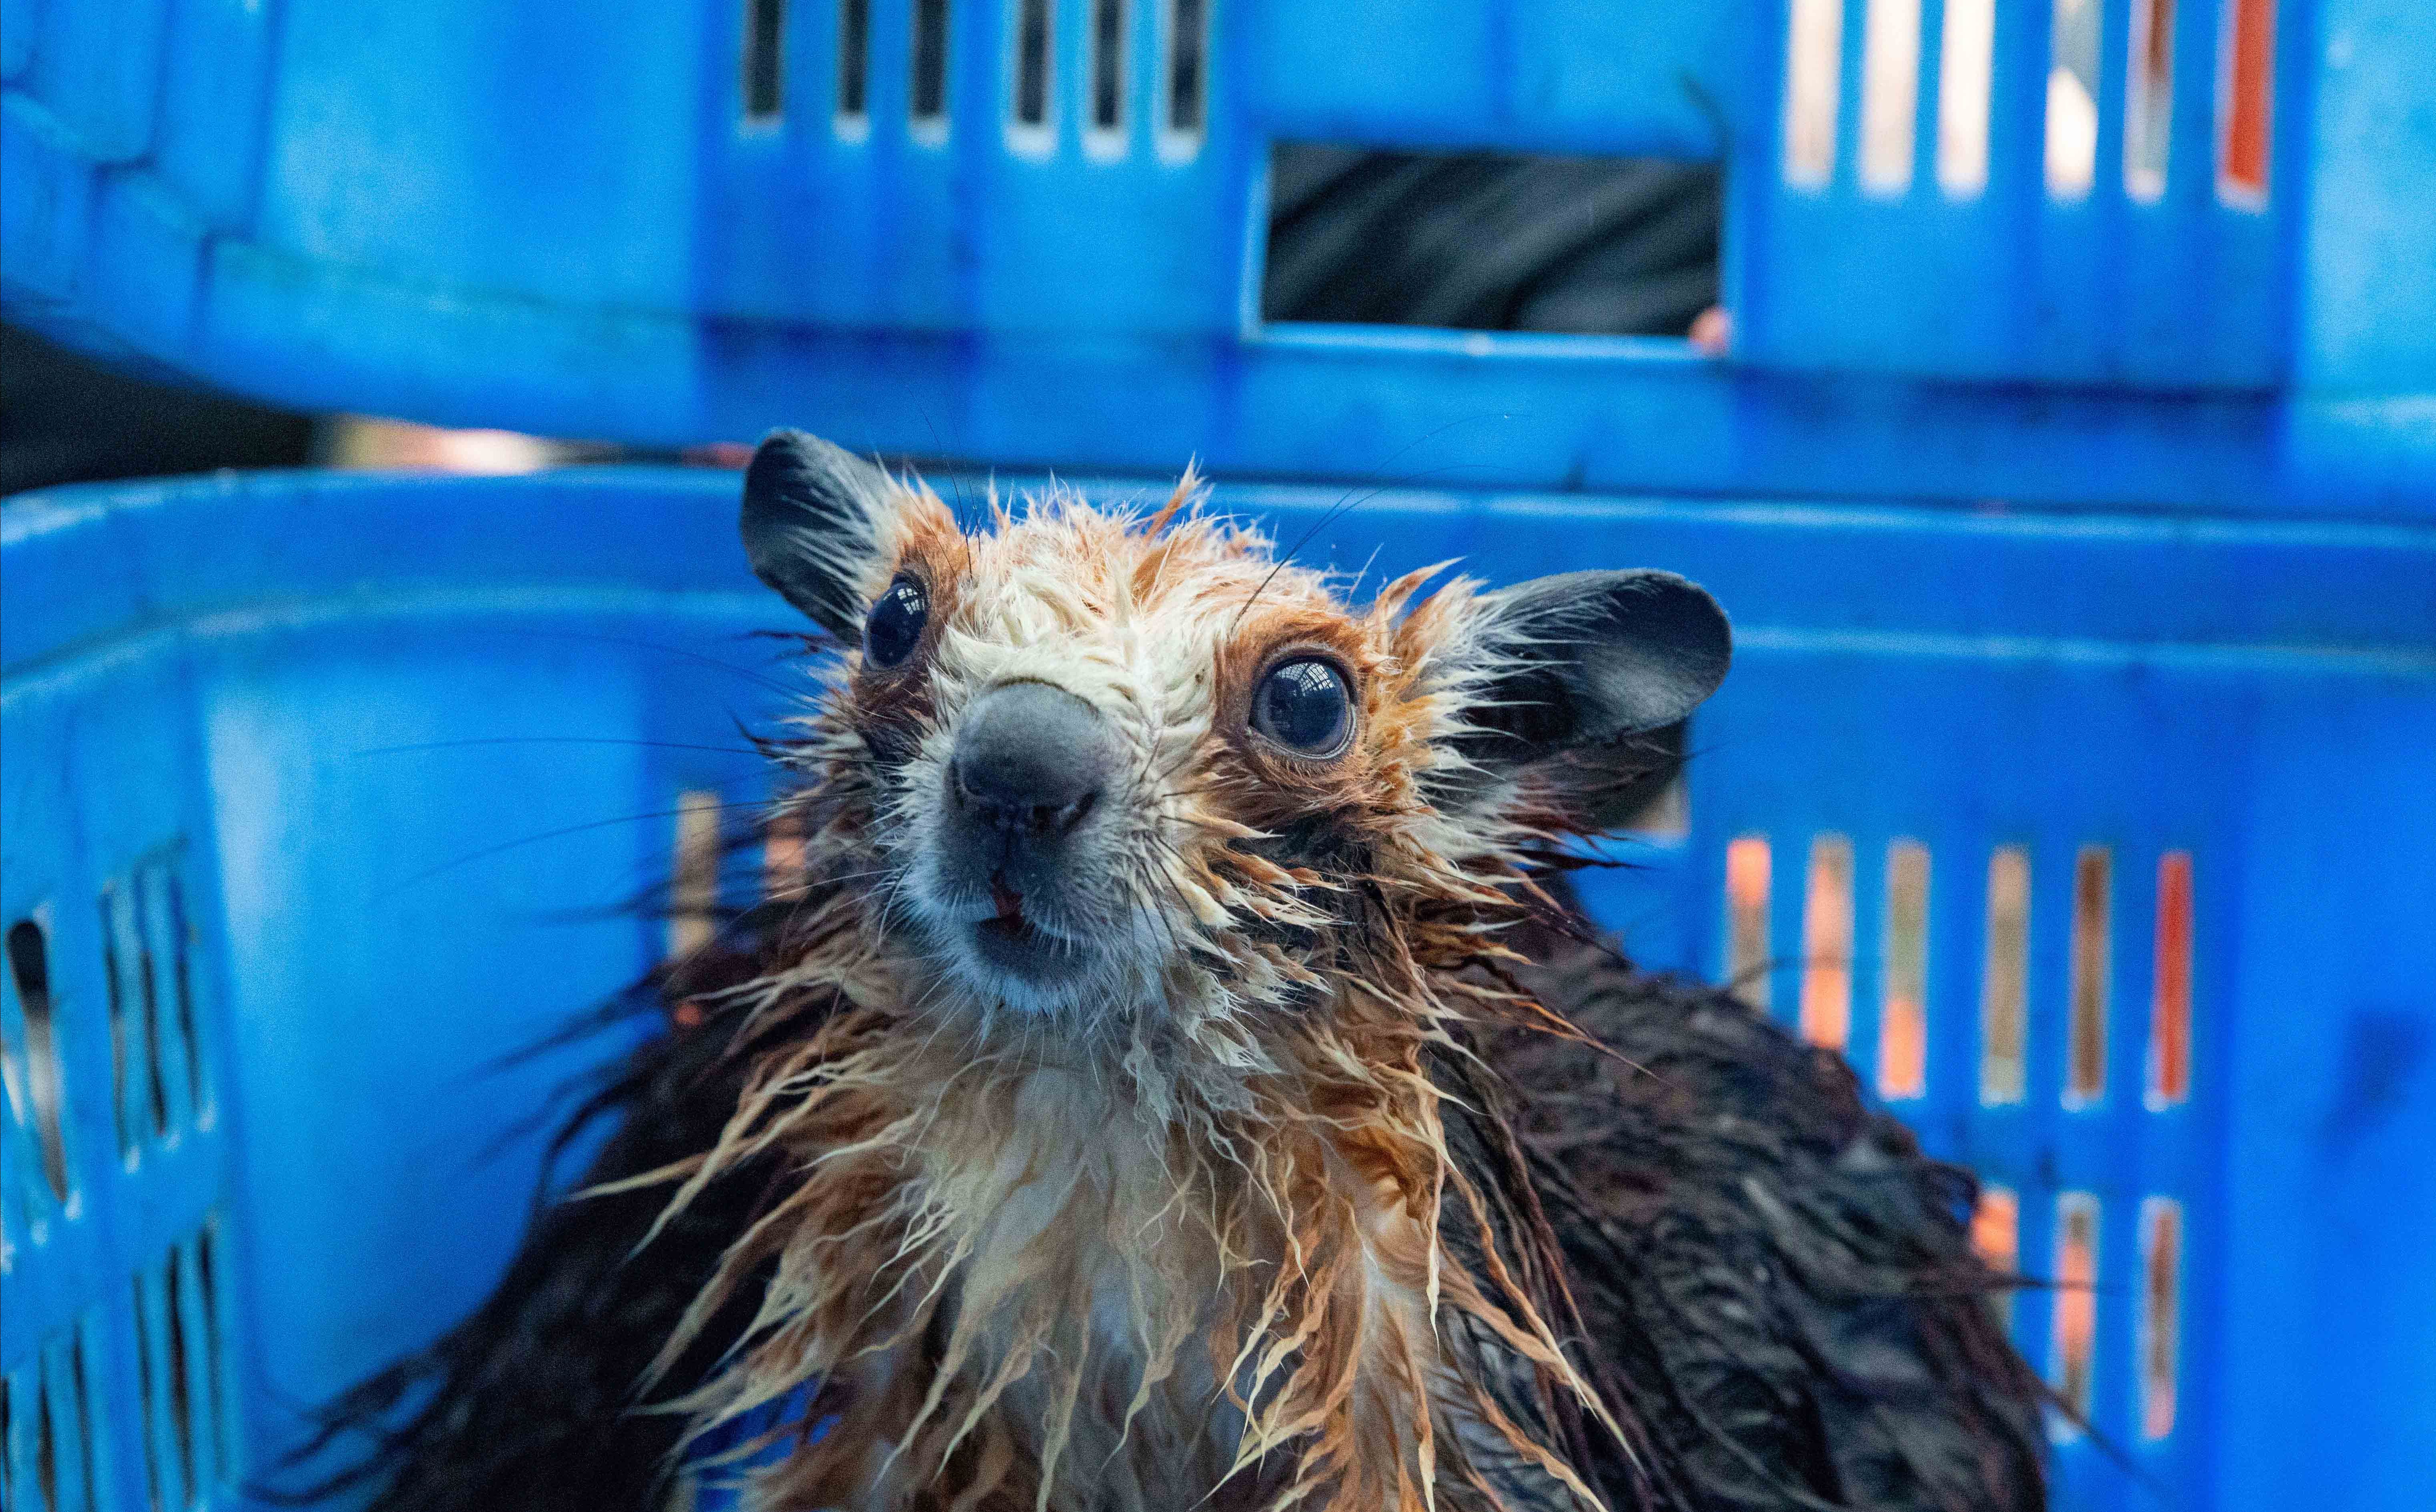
(1747, 890)
(1903, 1007)
(2160, 1342)
(1996, 1238)
(2248, 99)
(2004, 980)
(2073, 1346)
(2092, 875)
(2169, 1011)
(1827, 944)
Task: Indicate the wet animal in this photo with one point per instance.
(1173, 1080)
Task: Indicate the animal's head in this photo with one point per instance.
(1084, 767)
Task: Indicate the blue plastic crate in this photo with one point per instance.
(308, 784)
(572, 219)
(334, 774)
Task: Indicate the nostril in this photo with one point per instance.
(1032, 756)
(1060, 820)
(1014, 808)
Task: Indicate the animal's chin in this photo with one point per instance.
(1024, 964)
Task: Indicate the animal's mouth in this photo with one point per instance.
(1008, 923)
(1010, 942)
(1008, 902)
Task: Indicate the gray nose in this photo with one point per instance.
(1031, 757)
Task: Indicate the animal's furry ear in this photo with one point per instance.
(1569, 667)
(813, 525)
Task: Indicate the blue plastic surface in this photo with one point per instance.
(562, 218)
(378, 729)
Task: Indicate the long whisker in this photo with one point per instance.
(488, 851)
(554, 740)
(773, 685)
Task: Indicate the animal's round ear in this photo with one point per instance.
(811, 524)
(1574, 662)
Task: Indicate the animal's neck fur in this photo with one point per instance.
(1026, 1287)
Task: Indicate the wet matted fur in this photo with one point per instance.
(1259, 1170)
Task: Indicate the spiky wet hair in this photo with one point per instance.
(1242, 1211)
(1233, 879)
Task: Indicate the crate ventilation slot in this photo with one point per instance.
(1030, 131)
(1889, 95)
(2072, 1338)
(1103, 84)
(1996, 1239)
(1748, 966)
(2004, 980)
(928, 98)
(1103, 133)
(2246, 87)
(31, 1057)
(2092, 873)
(1903, 1000)
(783, 856)
(1033, 73)
(1184, 50)
(854, 68)
(765, 64)
(2170, 1013)
(1556, 243)
(1827, 944)
(1814, 51)
(2148, 99)
(1966, 61)
(693, 887)
(2159, 1338)
(2072, 98)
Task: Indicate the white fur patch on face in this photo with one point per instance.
(1107, 924)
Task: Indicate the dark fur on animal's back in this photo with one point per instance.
(1769, 1276)
(1783, 1281)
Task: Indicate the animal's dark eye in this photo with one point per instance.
(895, 627)
(1303, 705)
